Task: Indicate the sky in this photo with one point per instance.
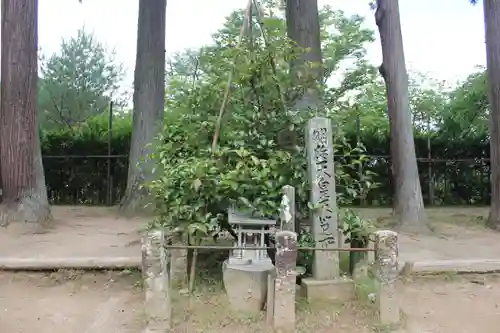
(444, 39)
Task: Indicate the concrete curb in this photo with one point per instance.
(79, 263)
(463, 266)
(458, 266)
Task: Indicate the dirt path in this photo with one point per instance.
(458, 234)
(69, 303)
(97, 231)
(468, 304)
(78, 232)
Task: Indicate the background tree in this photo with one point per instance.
(408, 205)
(149, 99)
(303, 28)
(343, 42)
(492, 32)
(78, 82)
(466, 111)
(24, 195)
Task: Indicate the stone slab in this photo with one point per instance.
(451, 266)
(341, 289)
(79, 263)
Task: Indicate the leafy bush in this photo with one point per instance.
(261, 146)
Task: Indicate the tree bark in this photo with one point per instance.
(302, 20)
(24, 195)
(492, 32)
(149, 100)
(408, 202)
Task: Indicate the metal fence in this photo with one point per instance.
(101, 179)
(443, 181)
(85, 179)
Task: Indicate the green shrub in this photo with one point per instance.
(75, 161)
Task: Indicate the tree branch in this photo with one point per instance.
(246, 19)
(59, 111)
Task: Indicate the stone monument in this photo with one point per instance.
(246, 271)
(326, 280)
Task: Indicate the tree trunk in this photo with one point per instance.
(149, 100)
(24, 195)
(492, 29)
(303, 28)
(408, 205)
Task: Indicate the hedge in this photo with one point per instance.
(76, 163)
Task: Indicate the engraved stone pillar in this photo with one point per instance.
(158, 308)
(284, 294)
(288, 208)
(323, 198)
(386, 263)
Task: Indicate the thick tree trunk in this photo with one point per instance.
(303, 28)
(492, 29)
(24, 195)
(149, 100)
(408, 205)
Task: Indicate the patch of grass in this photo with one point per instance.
(389, 328)
(446, 276)
(65, 275)
(208, 310)
(365, 289)
(344, 262)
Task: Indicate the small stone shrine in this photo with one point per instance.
(251, 234)
(245, 272)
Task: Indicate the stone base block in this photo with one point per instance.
(246, 286)
(341, 289)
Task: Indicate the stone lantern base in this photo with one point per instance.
(246, 285)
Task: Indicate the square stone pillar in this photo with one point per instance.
(386, 273)
(157, 304)
(284, 292)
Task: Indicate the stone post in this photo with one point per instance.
(386, 265)
(158, 307)
(271, 285)
(288, 208)
(370, 257)
(179, 263)
(284, 293)
(323, 198)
